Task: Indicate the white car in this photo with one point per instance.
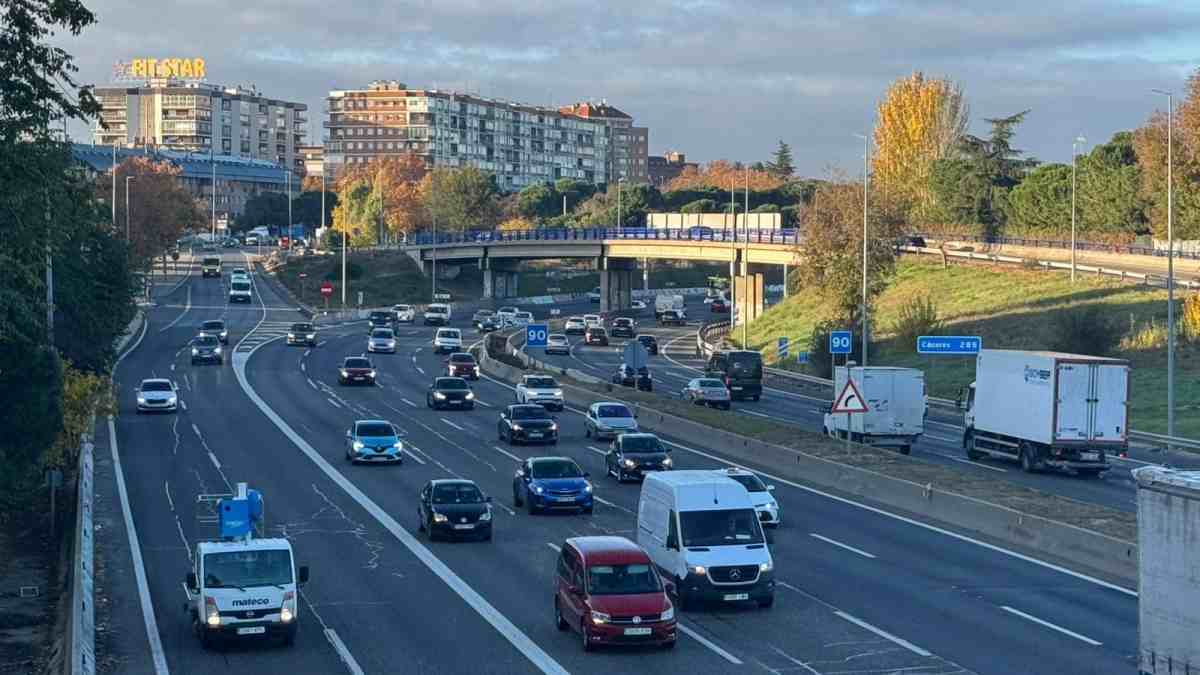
(637, 304)
(252, 240)
(437, 314)
(522, 318)
(447, 340)
(239, 289)
(404, 313)
(575, 325)
(760, 494)
(382, 340)
(540, 389)
(593, 321)
(558, 344)
(157, 394)
(505, 314)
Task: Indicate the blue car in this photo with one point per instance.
(552, 483)
(370, 441)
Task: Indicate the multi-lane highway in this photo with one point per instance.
(861, 590)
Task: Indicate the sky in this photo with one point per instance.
(713, 79)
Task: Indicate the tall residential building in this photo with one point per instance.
(665, 168)
(629, 144)
(521, 144)
(199, 117)
(313, 157)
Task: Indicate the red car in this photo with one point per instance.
(718, 306)
(608, 589)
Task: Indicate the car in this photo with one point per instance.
(210, 266)
(522, 318)
(230, 243)
(608, 589)
(609, 419)
(447, 340)
(630, 456)
(356, 369)
(207, 349)
(590, 320)
(650, 343)
(157, 394)
(628, 376)
(240, 290)
(760, 494)
(404, 313)
(215, 327)
(713, 294)
(251, 240)
(526, 423)
(637, 305)
(450, 392)
(506, 313)
(239, 272)
(718, 306)
(707, 391)
(740, 370)
(380, 319)
(574, 325)
(302, 333)
(593, 295)
(549, 483)
(596, 335)
(454, 508)
(540, 389)
(480, 315)
(673, 317)
(624, 327)
(462, 364)
(382, 340)
(557, 343)
(437, 314)
(489, 324)
(373, 441)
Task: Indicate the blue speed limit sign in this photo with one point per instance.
(839, 342)
(535, 335)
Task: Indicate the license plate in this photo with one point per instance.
(360, 377)
(566, 499)
(737, 596)
(736, 388)
(1089, 456)
(467, 526)
(253, 630)
(637, 631)
(535, 434)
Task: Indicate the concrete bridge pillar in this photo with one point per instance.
(616, 284)
(499, 278)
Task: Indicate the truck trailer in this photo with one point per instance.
(1047, 410)
(895, 398)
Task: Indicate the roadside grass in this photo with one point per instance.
(1011, 308)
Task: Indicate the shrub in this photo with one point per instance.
(1189, 323)
(1152, 335)
(819, 362)
(917, 317)
(1084, 330)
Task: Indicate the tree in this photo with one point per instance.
(306, 207)
(1042, 202)
(721, 175)
(1150, 144)
(265, 209)
(160, 209)
(1109, 180)
(462, 199)
(919, 122)
(515, 224)
(312, 183)
(700, 206)
(538, 201)
(781, 165)
(357, 213)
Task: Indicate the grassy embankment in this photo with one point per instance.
(1013, 308)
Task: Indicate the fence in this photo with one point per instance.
(701, 233)
(1183, 249)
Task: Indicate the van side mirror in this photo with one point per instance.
(191, 581)
(302, 575)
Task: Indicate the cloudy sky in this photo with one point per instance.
(711, 78)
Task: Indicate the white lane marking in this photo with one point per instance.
(410, 453)
(172, 367)
(127, 352)
(751, 412)
(507, 453)
(197, 430)
(944, 439)
(982, 466)
(333, 402)
(322, 343)
(794, 660)
(484, 403)
(710, 644)
(1047, 624)
(839, 544)
(186, 309)
(611, 504)
(556, 547)
(312, 384)
(522, 642)
(183, 404)
(409, 402)
(596, 450)
(139, 568)
(342, 652)
(884, 634)
(452, 424)
(167, 489)
(303, 367)
(926, 526)
(420, 370)
(214, 460)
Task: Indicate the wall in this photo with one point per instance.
(718, 220)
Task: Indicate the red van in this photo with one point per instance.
(608, 589)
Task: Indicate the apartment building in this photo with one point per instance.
(628, 144)
(520, 144)
(313, 157)
(201, 117)
(665, 168)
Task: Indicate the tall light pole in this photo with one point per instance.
(1079, 140)
(866, 187)
(433, 261)
(289, 194)
(1170, 263)
(733, 306)
(212, 156)
(114, 184)
(746, 210)
(619, 181)
(127, 179)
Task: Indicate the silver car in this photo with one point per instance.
(558, 344)
(157, 394)
(706, 391)
(382, 340)
(609, 419)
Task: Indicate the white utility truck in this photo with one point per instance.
(666, 302)
(242, 586)
(1047, 410)
(895, 401)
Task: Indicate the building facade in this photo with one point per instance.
(200, 117)
(522, 145)
(665, 168)
(313, 157)
(628, 144)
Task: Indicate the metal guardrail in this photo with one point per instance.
(782, 237)
(1148, 278)
(1098, 247)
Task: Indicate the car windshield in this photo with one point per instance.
(438, 309)
(556, 468)
(540, 382)
(452, 334)
(622, 322)
(243, 569)
(380, 316)
(641, 444)
(213, 325)
(375, 429)
(462, 358)
(710, 384)
(457, 494)
(524, 315)
(751, 482)
(212, 261)
(156, 386)
(450, 383)
(647, 339)
(508, 310)
(532, 412)
(206, 341)
(557, 338)
(302, 328)
(385, 333)
(402, 308)
(596, 331)
(721, 527)
(622, 579)
(240, 285)
(358, 363)
(484, 313)
(613, 411)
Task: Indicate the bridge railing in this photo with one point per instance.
(788, 236)
(1094, 246)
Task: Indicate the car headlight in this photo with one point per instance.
(439, 518)
(212, 615)
(171, 400)
(557, 393)
(470, 395)
(288, 611)
(371, 374)
(629, 464)
(554, 426)
(485, 516)
(588, 488)
(342, 372)
(668, 615)
(766, 567)
(141, 399)
(311, 336)
(668, 462)
(285, 614)
(600, 617)
(195, 351)
(699, 570)
(224, 334)
(399, 445)
(439, 395)
(538, 489)
(217, 350)
(358, 445)
(517, 427)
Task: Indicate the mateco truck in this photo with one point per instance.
(242, 586)
(1047, 410)
(895, 401)
(665, 302)
(702, 532)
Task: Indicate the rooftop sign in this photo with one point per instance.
(143, 69)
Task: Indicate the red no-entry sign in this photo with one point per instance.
(327, 289)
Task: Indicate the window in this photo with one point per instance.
(375, 430)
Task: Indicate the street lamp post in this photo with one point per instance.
(213, 159)
(289, 193)
(746, 210)
(866, 186)
(1170, 263)
(127, 180)
(733, 304)
(114, 185)
(1079, 140)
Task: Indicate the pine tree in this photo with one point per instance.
(780, 165)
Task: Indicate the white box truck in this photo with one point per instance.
(666, 302)
(1047, 410)
(895, 398)
(1168, 595)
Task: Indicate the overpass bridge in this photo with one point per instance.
(615, 252)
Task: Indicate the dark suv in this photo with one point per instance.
(380, 319)
(740, 370)
(628, 376)
(631, 455)
(624, 327)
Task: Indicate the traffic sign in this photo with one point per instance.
(635, 354)
(327, 289)
(535, 335)
(839, 341)
(849, 401)
(555, 311)
(802, 357)
(782, 348)
(441, 296)
(949, 344)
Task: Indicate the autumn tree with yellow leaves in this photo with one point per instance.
(721, 174)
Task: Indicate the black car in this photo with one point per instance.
(380, 319)
(454, 508)
(595, 335)
(527, 423)
(489, 324)
(624, 327)
(649, 343)
(628, 376)
(740, 370)
(302, 334)
(632, 455)
(480, 315)
(356, 369)
(207, 349)
(215, 327)
(450, 392)
(462, 364)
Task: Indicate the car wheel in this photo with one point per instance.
(530, 507)
(420, 522)
(559, 622)
(588, 510)
(587, 431)
(587, 644)
(905, 449)
(756, 397)
(670, 645)
(681, 598)
(1028, 463)
(499, 433)
(471, 407)
(767, 601)
(725, 407)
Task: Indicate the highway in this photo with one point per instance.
(861, 590)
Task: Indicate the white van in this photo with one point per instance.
(703, 533)
(239, 290)
(437, 314)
